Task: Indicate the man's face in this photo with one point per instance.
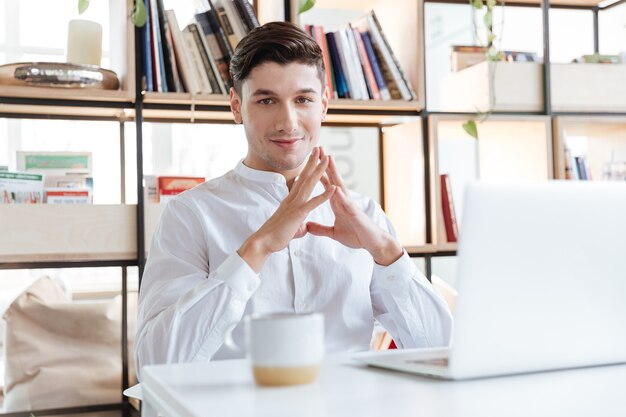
(282, 108)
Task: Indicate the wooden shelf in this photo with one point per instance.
(216, 107)
(47, 232)
(432, 249)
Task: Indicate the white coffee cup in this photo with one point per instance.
(285, 349)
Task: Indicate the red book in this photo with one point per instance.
(447, 205)
(168, 187)
(320, 38)
(367, 67)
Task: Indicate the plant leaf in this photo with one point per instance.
(138, 15)
(491, 4)
(488, 20)
(306, 5)
(82, 6)
(471, 129)
(477, 4)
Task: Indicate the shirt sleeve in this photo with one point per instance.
(185, 312)
(405, 302)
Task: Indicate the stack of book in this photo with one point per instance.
(50, 177)
(196, 58)
(163, 188)
(463, 56)
(359, 62)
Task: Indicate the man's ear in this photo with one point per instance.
(235, 105)
(325, 100)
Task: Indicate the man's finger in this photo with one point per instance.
(316, 201)
(320, 230)
(334, 176)
(308, 183)
(309, 167)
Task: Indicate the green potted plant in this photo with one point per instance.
(493, 55)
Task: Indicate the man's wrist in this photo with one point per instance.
(254, 252)
(389, 252)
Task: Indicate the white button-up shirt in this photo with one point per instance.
(196, 288)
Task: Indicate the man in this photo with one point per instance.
(280, 232)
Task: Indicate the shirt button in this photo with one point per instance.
(297, 253)
(250, 287)
(236, 303)
(301, 305)
(391, 278)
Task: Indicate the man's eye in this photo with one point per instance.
(304, 100)
(266, 101)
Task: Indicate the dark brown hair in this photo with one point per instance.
(280, 42)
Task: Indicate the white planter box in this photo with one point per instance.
(517, 86)
(588, 87)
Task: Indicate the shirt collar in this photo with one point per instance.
(257, 175)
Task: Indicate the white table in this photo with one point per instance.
(226, 388)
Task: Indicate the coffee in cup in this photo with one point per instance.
(285, 349)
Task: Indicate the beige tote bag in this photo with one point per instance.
(62, 353)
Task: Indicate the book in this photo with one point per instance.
(581, 167)
(355, 61)
(341, 42)
(246, 12)
(158, 64)
(320, 38)
(341, 85)
(21, 187)
(210, 67)
(187, 74)
(168, 187)
(222, 39)
(68, 196)
(178, 82)
(372, 86)
(237, 22)
(60, 163)
(464, 56)
(447, 205)
(195, 62)
(165, 49)
(215, 51)
(379, 38)
(378, 76)
(225, 23)
(146, 51)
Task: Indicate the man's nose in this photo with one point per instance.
(287, 119)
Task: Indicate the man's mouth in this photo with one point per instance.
(286, 142)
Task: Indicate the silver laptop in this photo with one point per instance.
(541, 283)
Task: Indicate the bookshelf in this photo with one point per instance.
(415, 143)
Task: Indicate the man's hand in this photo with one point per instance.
(352, 227)
(287, 222)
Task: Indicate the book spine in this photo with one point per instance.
(239, 26)
(182, 55)
(165, 49)
(392, 63)
(340, 80)
(196, 61)
(447, 205)
(215, 52)
(207, 61)
(178, 83)
(355, 60)
(157, 48)
(247, 14)
(225, 22)
(341, 40)
(320, 38)
(378, 75)
(367, 67)
(146, 55)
